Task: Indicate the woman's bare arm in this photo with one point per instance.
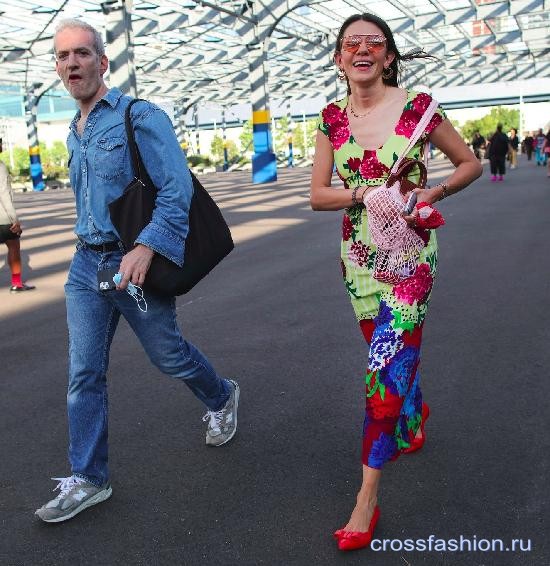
(468, 168)
(322, 195)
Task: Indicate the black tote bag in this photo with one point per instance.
(208, 240)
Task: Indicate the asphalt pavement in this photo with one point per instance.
(275, 316)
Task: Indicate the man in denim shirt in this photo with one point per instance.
(100, 169)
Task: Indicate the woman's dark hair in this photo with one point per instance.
(390, 44)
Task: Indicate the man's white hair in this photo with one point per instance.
(71, 23)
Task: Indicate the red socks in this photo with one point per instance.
(16, 280)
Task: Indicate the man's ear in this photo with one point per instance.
(103, 65)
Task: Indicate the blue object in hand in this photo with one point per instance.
(118, 278)
(134, 291)
(131, 287)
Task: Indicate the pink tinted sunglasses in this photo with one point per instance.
(375, 42)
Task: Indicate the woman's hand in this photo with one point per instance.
(428, 196)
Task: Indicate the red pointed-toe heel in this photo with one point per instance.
(417, 443)
(352, 540)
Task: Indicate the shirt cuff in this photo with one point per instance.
(163, 242)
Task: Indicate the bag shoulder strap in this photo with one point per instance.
(138, 167)
(420, 127)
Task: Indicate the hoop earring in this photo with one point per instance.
(387, 73)
(341, 74)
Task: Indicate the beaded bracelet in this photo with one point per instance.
(354, 197)
(445, 192)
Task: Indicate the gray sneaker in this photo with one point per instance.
(222, 424)
(75, 495)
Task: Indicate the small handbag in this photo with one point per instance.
(398, 246)
(208, 240)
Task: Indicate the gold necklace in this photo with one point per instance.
(352, 111)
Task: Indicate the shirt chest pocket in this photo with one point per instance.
(109, 157)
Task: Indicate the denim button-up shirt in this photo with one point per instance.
(100, 169)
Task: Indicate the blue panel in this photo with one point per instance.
(36, 169)
(36, 173)
(261, 135)
(264, 167)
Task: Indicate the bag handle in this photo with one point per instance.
(420, 127)
(405, 166)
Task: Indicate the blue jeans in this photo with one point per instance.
(92, 318)
(540, 156)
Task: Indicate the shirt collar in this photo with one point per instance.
(111, 97)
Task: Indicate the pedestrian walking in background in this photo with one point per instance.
(499, 146)
(540, 157)
(478, 144)
(10, 231)
(99, 171)
(363, 134)
(527, 146)
(514, 145)
(546, 150)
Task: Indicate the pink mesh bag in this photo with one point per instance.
(398, 246)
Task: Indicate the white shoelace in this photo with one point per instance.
(215, 419)
(66, 484)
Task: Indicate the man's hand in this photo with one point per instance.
(16, 228)
(134, 266)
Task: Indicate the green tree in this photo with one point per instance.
(59, 154)
(300, 141)
(509, 118)
(21, 162)
(246, 137)
(216, 148)
(5, 158)
(54, 160)
(281, 134)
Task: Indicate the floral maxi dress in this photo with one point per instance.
(391, 316)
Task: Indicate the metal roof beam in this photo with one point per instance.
(493, 10)
(427, 21)
(526, 6)
(460, 15)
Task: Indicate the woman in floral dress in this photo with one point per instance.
(364, 134)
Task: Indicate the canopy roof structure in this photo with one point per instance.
(198, 51)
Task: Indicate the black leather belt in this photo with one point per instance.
(104, 248)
